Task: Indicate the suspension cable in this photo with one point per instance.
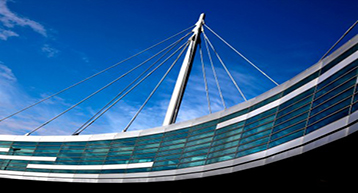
(104, 87)
(227, 71)
(247, 60)
(94, 75)
(126, 93)
(205, 80)
(214, 73)
(155, 89)
(123, 90)
(339, 40)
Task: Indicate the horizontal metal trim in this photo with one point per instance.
(3, 149)
(91, 167)
(29, 158)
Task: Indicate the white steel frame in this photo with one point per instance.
(177, 96)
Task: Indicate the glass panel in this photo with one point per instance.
(222, 158)
(191, 164)
(5, 143)
(123, 161)
(195, 153)
(355, 97)
(224, 146)
(203, 125)
(235, 126)
(337, 75)
(297, 105)
(293, 114)
(287, 138)
(203, 130)
(260, 122)
(203, 135)
(205, 140)
(160, 168)
(297, 98)
(333, 85)
(166, 162)
(340, 58)
(80, 144)
(139, 151)
(260, 116)
(25, 144)
(251, 151)
(150, 137)
(266, 101)
(258, 129)
(164, 153)
(288, 130)
(72, 151)
(151, 145)
(173, 142)
(145, 155)
(126, 153)
(123, 142)
(226, 140)
(230, 133)
(176, 146)
(354, 107)
(332, 101)
(223, 152)
(173, 156)
(336, 91)
(256, 136)
(328, 120)
(149, 140)
(98, 144)
(329, 111)
(97, 150)
(241, 112)
(193, 159)
(290, 122)
(301, 83)
(254, 143)
(196, 147)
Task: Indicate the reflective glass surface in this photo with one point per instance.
(315, 107)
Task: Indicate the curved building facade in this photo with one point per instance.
(314, 108)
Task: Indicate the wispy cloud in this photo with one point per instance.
(13, 98)
(9, 20)
(5, 34)
(6, 73)
(49, 51)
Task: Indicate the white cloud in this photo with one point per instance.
(6, 73)
(49, 51)
(5, 34)
(10, 20)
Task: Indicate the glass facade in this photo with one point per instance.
(315, 107)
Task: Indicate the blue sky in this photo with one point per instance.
(46, 46)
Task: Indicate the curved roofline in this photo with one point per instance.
(214, 130)
(192, 122)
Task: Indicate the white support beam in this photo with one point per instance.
(178, 93)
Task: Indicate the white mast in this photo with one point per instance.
(177, 96)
